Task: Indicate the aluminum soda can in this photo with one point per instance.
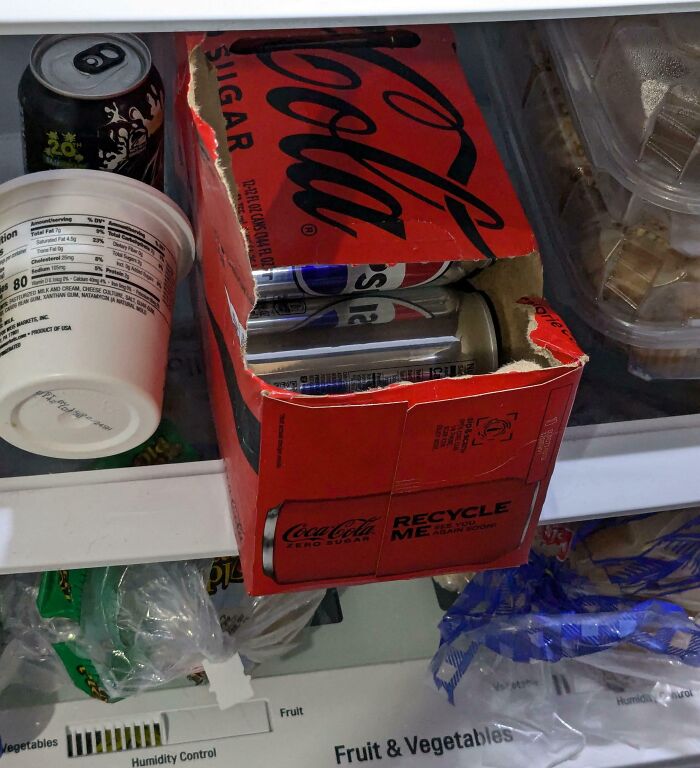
(359, 342)
(93, 101)
(338, 279)
(292, 314)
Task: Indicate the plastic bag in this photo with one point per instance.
(606, 593)
(260, 627)
(643, 557)
(27, 657)
(554, 709)
(121, 630)
(270, 624)
(632, 708)
(593, 616)
(516, 699)
(544, 611)
(140, 626)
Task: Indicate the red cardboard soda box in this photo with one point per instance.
(357, 147)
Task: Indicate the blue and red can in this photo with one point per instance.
(339, 279)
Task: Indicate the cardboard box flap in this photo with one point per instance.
(347, 153)
(333, 452)
(399, 447)
(375, 482)
(482, 439)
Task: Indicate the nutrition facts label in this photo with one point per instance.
(78, 258)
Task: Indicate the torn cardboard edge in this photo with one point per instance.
(350, 399)
(504, 282)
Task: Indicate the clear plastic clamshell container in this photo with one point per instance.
(607, 112)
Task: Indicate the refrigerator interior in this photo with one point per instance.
(623, 430)
(608, 393)
(354, 683)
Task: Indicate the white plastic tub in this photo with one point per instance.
(88, 267)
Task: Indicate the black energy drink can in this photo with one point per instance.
(321, 346)
(93, 101)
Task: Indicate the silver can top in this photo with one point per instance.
(88, 66)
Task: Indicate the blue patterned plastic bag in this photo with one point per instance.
(547, 611)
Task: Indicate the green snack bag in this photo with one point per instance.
(60, 594)
(137, 627)
(165, 446)
(72, 595)
(82, 672)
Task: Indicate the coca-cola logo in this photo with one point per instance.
(317, 99)
(341, 179)
(354, 528)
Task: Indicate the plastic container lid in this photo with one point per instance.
(634, 86)
(625, 280)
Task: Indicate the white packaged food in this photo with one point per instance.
(88, 267)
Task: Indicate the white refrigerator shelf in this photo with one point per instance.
(172, 512)
(41, 16)
(141, 514)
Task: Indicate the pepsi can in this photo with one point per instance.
(339, 279)
(294, 314)
(359, 342)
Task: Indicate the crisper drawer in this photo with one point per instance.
(323, 719)
(357, 693)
